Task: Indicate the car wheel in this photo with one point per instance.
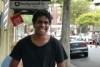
(86, 54)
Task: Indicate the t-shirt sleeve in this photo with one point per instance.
(60, 53)
(17, 51)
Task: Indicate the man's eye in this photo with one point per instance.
(39, 22)
(45, 22)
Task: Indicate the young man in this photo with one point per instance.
(39, 49)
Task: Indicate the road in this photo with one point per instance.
(93, 60)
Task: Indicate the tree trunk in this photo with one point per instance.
(65, 36)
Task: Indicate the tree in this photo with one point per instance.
(57, 1)
(97, 18)
(79, 7)
(83, 21)
(27, 19)
(60, 1)
(28, 23)
(87, 19)
(65, 30)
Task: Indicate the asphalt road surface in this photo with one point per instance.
(93, 60)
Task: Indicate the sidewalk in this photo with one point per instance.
(93, 46)
(72, 65)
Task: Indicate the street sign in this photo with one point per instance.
(16, 19)
(29, 4)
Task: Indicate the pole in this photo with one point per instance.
(66, 30)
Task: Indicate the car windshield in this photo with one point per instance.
(83, 34)
(75, 39)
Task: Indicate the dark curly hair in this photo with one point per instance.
(41, 12)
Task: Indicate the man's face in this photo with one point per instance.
(42, 25)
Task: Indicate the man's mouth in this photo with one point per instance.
(42, 30)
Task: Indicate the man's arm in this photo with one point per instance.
(14, 63)
(60, 64)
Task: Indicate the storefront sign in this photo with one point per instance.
(29, 4)
(16, 19)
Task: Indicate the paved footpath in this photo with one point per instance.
(71, 65)
(93, 46)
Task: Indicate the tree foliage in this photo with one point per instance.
(85, 19)
(60, 1)
(97, 18)
(57, 1)
(88, 19)
(78, 7)
(27, 19)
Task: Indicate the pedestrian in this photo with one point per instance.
(72, 33)
(94, 39)
(98, 39)
(39, 49)
(6, 61)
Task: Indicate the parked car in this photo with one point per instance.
(78, 46)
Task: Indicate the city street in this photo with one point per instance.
(93, 60)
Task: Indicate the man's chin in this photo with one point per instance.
(42, 34)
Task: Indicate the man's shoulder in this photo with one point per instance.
(25, 38)
(54, 39)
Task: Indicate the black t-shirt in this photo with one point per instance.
(34, 56)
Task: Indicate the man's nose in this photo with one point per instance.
(43, 24)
